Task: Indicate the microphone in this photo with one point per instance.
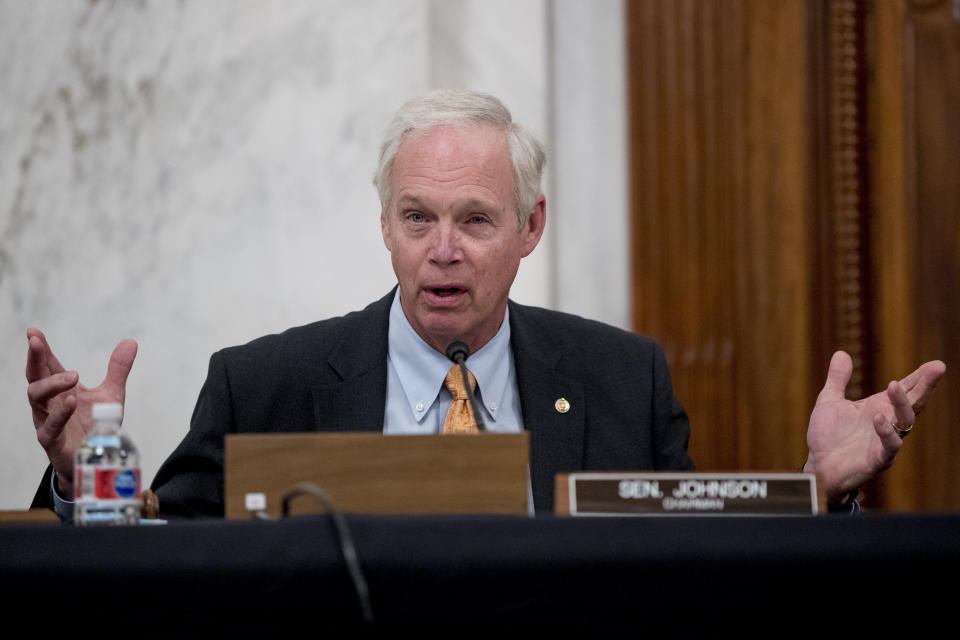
(457, 351)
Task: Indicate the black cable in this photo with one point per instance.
(344, 538)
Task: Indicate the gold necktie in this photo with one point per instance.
(459, 416)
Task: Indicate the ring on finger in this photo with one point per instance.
(902, 430)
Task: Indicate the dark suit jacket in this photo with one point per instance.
(332, 376)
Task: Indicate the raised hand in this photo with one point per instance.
(62, 407)
(850, 442)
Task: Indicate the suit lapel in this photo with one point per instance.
(556, 437)
(356, 402)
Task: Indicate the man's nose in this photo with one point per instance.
(445, 247)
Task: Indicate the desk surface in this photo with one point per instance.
(497, 572)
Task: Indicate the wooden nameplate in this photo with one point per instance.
(688, 494)
(373, 473)
(32, 516)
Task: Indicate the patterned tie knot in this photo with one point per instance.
(454, 382)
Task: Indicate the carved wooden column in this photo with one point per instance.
(848, 189)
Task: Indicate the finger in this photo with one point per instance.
(51, 360)
(920, 384)
(888, 438)
(121, 361)
(902, 407)
(52, 427)
(41, 391)
(36, 360)
(40, 360)
(934, 367)
(841, 367)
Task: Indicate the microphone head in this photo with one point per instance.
(457, 351)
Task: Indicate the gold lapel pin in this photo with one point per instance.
(561, 405)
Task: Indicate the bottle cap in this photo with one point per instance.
(108, 411)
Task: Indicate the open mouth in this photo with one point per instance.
(445, 292)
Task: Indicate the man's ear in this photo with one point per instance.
(533, 229)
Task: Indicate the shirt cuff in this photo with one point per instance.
(63, 508)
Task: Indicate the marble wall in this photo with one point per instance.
(196, 174)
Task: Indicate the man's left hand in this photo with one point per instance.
(850, 442)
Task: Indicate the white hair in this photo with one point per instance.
(460, 107)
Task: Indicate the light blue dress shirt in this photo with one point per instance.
(417, 400)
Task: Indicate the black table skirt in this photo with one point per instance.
(680, 576)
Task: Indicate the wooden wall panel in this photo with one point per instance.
(794, 178)
(915, 101)
(721, 240)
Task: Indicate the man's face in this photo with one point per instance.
(451, 229)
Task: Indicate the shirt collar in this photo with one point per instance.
(421, 368)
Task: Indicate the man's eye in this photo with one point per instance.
(478, 219)
(415, 217)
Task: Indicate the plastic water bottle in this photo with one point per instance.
(107, 472)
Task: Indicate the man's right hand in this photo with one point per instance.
(62, 407)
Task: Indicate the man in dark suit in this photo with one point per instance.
(459, 184)
(317, 377)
